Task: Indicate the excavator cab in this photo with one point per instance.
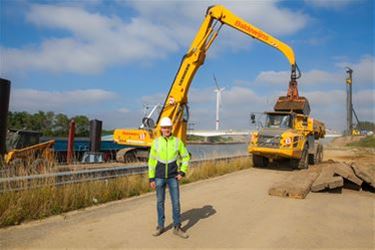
(18, 139)
(24, 147)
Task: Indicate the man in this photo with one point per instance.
(166, 154)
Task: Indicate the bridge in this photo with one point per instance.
(211, 133)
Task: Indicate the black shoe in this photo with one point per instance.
(158, 231)
(180, 232)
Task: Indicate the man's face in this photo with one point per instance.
(166, 131)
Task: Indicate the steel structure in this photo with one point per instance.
(349, 103)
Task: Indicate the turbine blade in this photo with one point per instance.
(217, 85)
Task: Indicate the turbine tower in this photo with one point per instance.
(218, 91)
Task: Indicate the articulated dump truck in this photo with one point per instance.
(289, 133)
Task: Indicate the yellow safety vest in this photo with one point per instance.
(168, 157)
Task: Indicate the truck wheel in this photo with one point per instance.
(313, 158)
(304, 164)
(320, 154)
(260, 161)
(301, 163)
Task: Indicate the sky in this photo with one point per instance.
(108, 59)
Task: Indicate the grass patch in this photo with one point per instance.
(368, 142)
(38, 203)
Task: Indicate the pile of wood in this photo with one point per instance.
(326, 176)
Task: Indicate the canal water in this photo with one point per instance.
(202, 151)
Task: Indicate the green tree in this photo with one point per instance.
(366, 125)
(107, 132)
(37, 121)
(61, 125)
(48, 123)
(82, 125)
(19, 120)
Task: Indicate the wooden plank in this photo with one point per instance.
(297, 185)
(326, 179)
(344, 170)
(336, 181)
(365, 172)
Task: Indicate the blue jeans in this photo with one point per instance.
(174, 191)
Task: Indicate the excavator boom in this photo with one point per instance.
(175, 104)
(216, 16)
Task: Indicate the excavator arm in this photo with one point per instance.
(216, 16)
(175, 104)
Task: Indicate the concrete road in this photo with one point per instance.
(229, 211)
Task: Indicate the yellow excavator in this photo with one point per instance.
(175, 105)
(24, 149)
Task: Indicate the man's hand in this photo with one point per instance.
(152, 185)
(179, 177)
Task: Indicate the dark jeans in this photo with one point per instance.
(174, 191)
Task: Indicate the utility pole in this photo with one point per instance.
(349, 103)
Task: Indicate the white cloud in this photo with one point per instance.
(33, 100)
(327, 99)
(273, 77)
(363, 73)
(123, 110)
(331, 4)
(310, 77)
(96, 40)
(363, 70)
(238, 102)
(112, 119)
(154, 99)
(278, 21)
(363, 99)
(330, 106)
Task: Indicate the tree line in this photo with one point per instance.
(57, 125)
(49, 123)
(366, 125)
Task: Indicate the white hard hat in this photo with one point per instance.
(165, 122)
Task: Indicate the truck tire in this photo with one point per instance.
(312, 159)
(317, 157)
(320, 154)
(260, 161)
(303, 162)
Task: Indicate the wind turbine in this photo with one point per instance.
(218, 91)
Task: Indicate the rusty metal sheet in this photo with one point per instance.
(299, 105)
